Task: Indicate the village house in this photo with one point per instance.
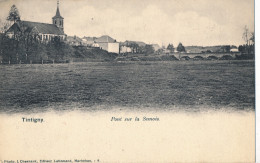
(45, 32)
(107, 43)
(74, 41)
(88, 41)
(125, 49)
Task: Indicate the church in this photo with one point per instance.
(45, 32)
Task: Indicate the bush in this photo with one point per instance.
(226, 57)
(185, 58)
(212, 58)
(245, 56)
(198, 58)
(168, 58)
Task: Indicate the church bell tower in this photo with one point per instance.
(58, 19)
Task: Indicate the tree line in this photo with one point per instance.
(180, 48)
(249, 47)
(149, 49)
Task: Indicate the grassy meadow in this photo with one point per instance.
(156, 86)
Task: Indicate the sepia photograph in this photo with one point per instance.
(127, 81)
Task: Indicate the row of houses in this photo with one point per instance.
(108, 43)
(104, 42)
(111, 45)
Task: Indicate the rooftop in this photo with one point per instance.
(105, 39)
(43, 28)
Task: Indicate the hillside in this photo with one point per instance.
(35, 52)
(82, 53)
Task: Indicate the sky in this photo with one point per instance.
(192, 22)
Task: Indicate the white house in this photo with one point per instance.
(107, 43)
(74, 40)
(234, 50)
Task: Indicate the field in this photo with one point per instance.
(155, 86)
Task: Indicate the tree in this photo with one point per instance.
(241, 48)
(141, 49)
(4, 25)
(13, 14)
(226, 48)
(134, 46)
(148, 49)
(252, 38)
(171, 48)
(181, 48)
(247, 38)
(246, 35)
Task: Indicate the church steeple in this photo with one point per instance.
(58, 19)
(58, 10)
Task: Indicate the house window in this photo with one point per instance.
(55, 22)
(60, 22)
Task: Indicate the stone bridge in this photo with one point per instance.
(204, 55)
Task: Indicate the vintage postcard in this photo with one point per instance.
(121, 81)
